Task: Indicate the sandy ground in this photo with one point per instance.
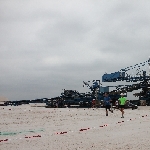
(37, 128)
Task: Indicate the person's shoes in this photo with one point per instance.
(122, 117)
(106, 114)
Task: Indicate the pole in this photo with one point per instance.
(149, 65)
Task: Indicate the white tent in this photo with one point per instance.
(3, 99)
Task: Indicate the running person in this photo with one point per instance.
(107, 104)
(122, 102)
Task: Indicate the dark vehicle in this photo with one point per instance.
(85, 104)
(131, 105)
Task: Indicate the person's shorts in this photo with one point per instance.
(108, 106)
(121, 106)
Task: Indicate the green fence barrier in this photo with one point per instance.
(21, 132)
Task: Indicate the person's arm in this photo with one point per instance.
(104, 101)
(110, 99)
(125, 101)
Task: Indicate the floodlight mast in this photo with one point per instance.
(149, 65)
(95, 88)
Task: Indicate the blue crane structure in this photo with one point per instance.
(138, 80)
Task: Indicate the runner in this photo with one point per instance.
(107, 104)
(122, 102)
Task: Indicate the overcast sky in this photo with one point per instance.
(50, 45)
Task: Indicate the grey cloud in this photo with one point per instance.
(47, 46)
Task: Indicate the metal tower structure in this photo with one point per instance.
(139, 76)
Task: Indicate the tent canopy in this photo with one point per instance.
(3, 99)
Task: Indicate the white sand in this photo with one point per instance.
(47, 124)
